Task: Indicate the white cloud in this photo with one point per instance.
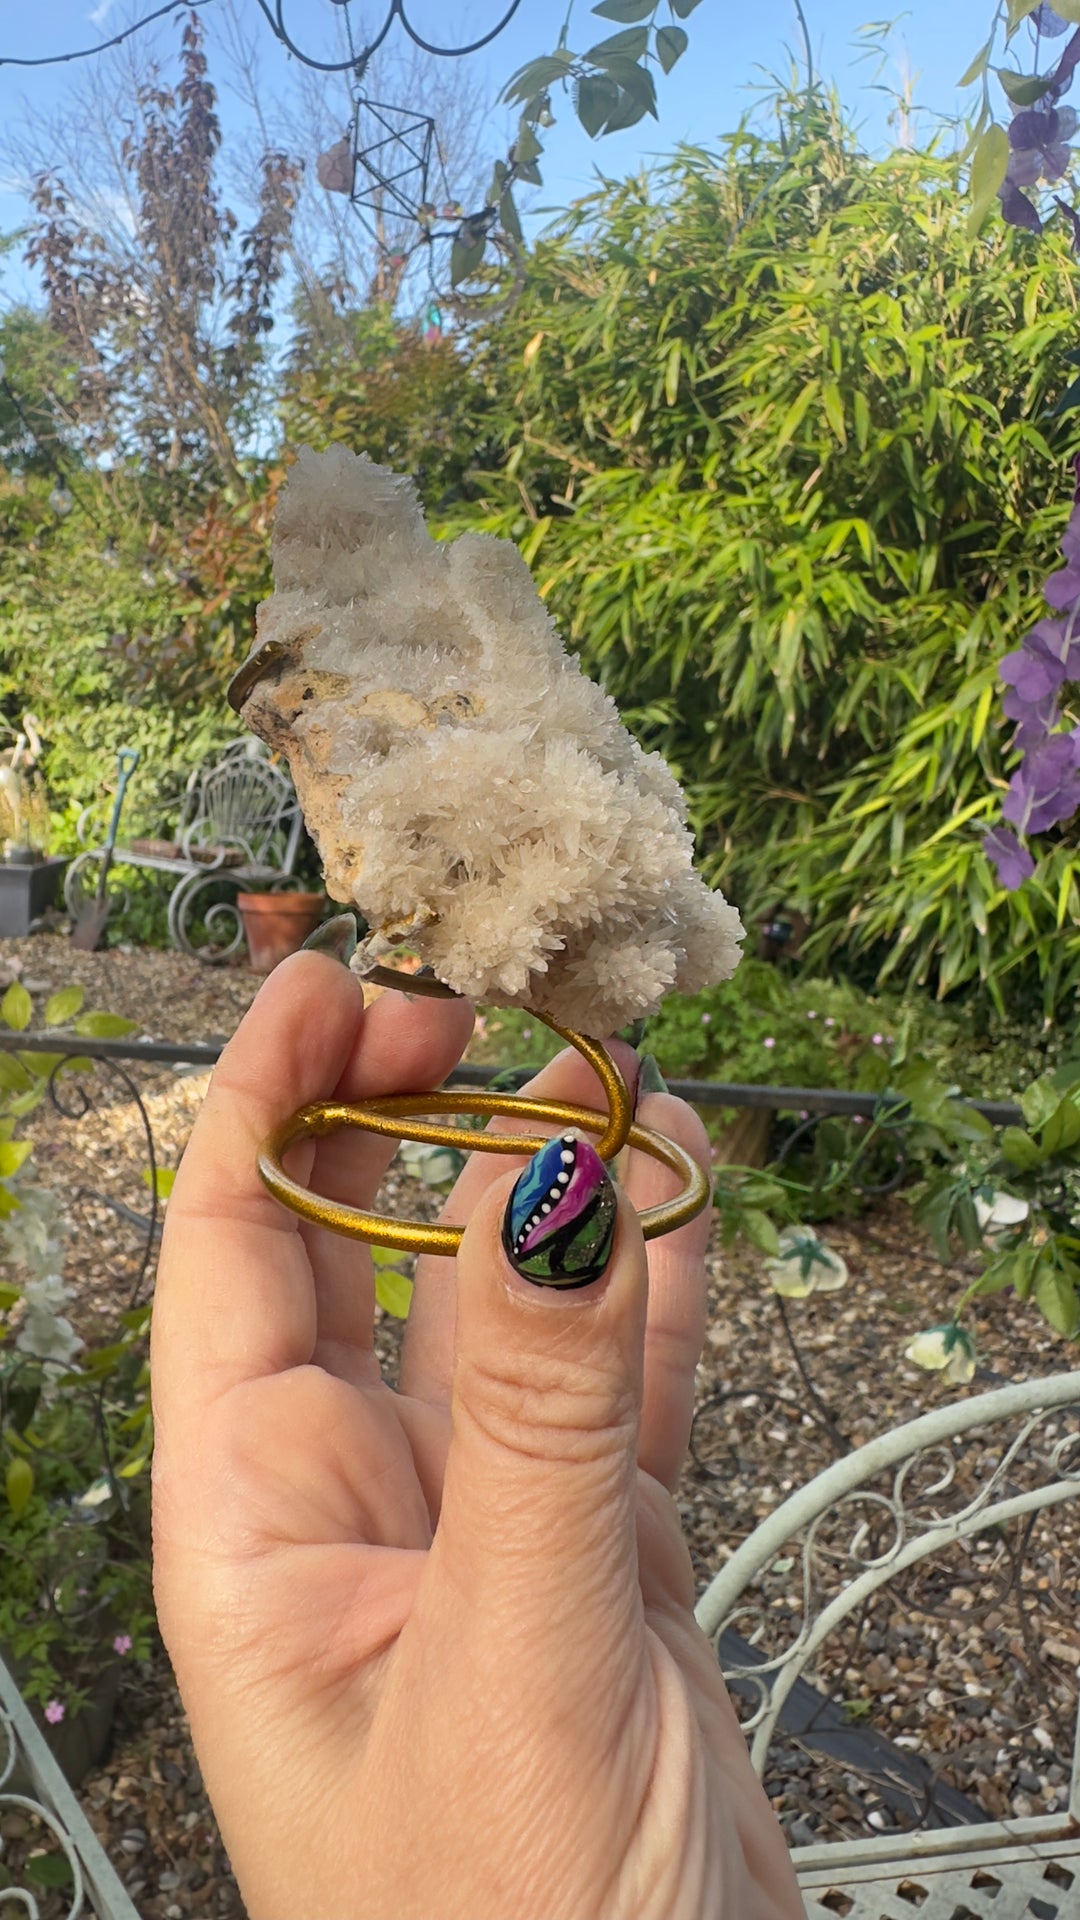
(101, 12)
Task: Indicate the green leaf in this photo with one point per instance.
(1019, 10)
(978, 66)
(671, 372)
(12, 1155)
(8, 1295)
(934, 1212)
(759, 1229)
(671, 44)
(625, 10)
(39, 1065)
(1039, 1100)
(49, 1870)
(538, 76)
(16, 1007)
(635, 102)
(625, 46)
(464, 261)
(527, 147)
(682, 9)
(13, 1076)
(104, 1026)
(1055, 1297)
(508, 215)
(834, 410)
(1023, 89)
(596, 99)
(63, 1006)
(393, 1291)
(988, 164)
(1062, 1130)
(795, 415)
(1020, 1150)
(1012, 1269)
(163, 1178)
(19, 1484)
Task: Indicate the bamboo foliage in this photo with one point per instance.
(779, 446)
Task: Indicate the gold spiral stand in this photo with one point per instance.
(383, 1115)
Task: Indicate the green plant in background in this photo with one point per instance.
(75, 1425)
(1007, 1197)
(779, 463)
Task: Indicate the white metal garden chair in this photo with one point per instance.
(861, 1523)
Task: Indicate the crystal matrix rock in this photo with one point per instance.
(471, 792)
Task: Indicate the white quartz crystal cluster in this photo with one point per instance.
(471, 792)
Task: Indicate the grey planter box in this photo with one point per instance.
(25, 892)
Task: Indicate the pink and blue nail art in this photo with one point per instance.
(560, 1220)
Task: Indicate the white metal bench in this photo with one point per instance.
(835, 1545)
(240, 824)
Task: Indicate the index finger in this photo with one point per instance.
(235, 1296)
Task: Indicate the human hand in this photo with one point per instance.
(436, 1646)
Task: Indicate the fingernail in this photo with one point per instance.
(559, 1222)
(337, 937)
(650, 1078)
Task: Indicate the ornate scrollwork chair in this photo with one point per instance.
(977, 1485)
(240, 824)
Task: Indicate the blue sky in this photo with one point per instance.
(731, 46)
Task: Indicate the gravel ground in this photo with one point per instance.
(970, 1662)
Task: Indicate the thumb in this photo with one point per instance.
(537, 1528)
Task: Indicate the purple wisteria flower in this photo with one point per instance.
(1039, 144)
(1013, 862)
(1045, 789)
(1048, 23)
(1041, 130)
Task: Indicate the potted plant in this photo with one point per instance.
(277, 924)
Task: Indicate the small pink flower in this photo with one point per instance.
(829, 1021)
(876, 1039)
(526, 1033)
(770, 1042)
(122, 1643)
(811, 1014)
(705, 1019)
(54, 1713)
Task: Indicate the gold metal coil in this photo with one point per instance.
(383, 1115)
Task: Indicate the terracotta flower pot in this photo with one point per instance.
(276, 924)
